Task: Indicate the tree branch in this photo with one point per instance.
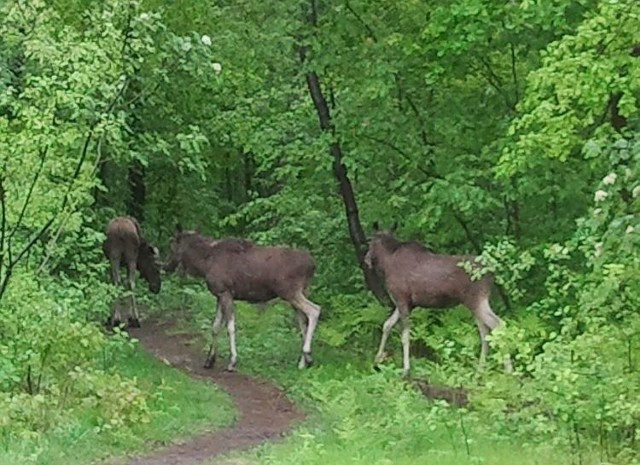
(371, 33)
(403, 154)
(414, 108)
(368, 28)
(56, 236)
(467, 231)
(495, 81)
(390, 145)
(85, 149)
(356, 232)
(24, 17)
(514, 74)
(478, 250)
(152, 88)
(43, 155)
(3, 220)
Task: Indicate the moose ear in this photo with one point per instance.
(376, 226)
(394, 227)
(154, 251)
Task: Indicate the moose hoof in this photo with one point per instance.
(379, 360)
(210, 361)
(133, 323)
(308, 360)
(231, 368)
(305, 361)
(380, 357)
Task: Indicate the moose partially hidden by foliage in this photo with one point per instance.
(416, 277)
(238, 269)
(125, 246)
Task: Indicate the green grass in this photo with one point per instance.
(327, 451)
(362, 417)
(180, 407)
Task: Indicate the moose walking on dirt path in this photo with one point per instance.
(126, 246)
(238, 269)
(416, 277)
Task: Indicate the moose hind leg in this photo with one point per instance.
(405, 338)
(485, 316)
(302, 321)
(484, 345)
(215, 329)
(226, 304)
(312, 312)
(303, 324)
(231, 331)
(115, 318)
(386, 329)
(134, 321)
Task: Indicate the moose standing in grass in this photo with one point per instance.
(125, 246)
(238, 269)
(416, 277)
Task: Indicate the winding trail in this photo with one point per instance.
(264, 412)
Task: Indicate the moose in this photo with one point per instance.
(125, 246)
(239, 269)
(417, 277)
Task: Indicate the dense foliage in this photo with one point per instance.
(506, 129)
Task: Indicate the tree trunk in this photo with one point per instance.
(100, 197)
(356, 233)
(136, 171)
(138, 190)
(248, 174)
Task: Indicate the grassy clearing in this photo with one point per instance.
(359, 416)
(179, 407)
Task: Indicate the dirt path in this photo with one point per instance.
(264, 412)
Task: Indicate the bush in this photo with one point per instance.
(577, 379)
(55, 362)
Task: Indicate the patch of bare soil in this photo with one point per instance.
(264, 412)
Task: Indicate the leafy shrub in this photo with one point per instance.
(583, 383)
(54, 362)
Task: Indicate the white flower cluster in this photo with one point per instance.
(610, 179)
(600, 195)
(598, 249)
(206, 40)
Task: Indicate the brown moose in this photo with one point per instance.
(416, 277)
(238, 269)
(125, 246)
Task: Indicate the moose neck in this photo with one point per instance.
(388, 245)
(195, 256)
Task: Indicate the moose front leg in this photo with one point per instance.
(134, 321)
(230, 316)
(115, 318)
(215, 329)
(405, 338)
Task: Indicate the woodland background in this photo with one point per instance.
(508, 129)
